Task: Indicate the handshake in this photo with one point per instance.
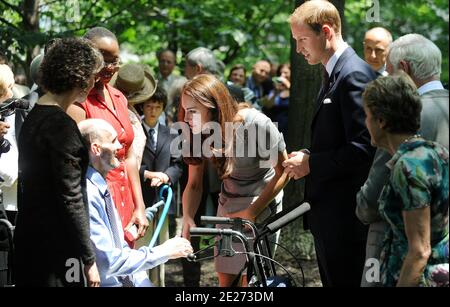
(297, 166)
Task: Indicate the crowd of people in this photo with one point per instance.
(96, 144)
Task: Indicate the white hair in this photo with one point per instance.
(6, 78)
(204, 57)
(93, 129)
(423, 56)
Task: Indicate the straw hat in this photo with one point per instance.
(136, 83)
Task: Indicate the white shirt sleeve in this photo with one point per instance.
(9, 161)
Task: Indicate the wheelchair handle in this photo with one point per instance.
(289, 217)
(216, 220)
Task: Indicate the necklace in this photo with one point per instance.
(415, 136)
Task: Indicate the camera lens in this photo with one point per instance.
(5, 145)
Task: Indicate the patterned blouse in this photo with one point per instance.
(419, 178)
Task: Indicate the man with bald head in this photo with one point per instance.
(259, 82)
(118, 264)
(376, 48)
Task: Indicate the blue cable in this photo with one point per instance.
(164, 213)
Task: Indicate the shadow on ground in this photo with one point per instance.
(174, 273)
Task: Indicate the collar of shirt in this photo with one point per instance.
(156, 128)
(333, 60)
(111, 90)
(406, 147)
(382, 71)
(161, 78)
(430, 86)
(97, 179)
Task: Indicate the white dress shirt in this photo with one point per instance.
(155, 134)
(333, 60)
(9, 168)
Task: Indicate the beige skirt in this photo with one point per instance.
(233, 265)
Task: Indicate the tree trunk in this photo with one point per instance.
(30, 11)
(305, 85)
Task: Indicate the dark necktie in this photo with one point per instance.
(151, 133)
(325, 81)
(126, 281)
(325, 86)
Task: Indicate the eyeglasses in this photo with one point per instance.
(117, 62)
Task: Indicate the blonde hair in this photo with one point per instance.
(6, 77)
(316, 13)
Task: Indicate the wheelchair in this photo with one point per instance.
(260, 265)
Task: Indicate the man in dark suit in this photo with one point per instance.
(158, 166)
(340, 156)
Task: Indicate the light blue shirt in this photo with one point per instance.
(113, 262)
(430, 86)
(333, 60)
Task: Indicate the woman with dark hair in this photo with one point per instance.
(52, 232)
(106, 102)
(414, 202)
(251, 169)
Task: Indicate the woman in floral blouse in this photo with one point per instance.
(415, 200)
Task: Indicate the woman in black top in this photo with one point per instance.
(52, 231)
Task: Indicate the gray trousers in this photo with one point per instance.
(371, 273)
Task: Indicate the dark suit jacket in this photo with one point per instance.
(341, 153)
(159, 160)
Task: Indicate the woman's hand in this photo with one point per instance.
(92, 275)
(246, 214)
(187, 224)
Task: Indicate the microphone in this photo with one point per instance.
(7, 108)
(287, 218)
(14, 103)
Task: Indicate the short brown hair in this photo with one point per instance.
(316, 13)
(395, 100)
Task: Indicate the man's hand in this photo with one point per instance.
(297, 166)
(177, 247)
(187, 224)
(3, 128)
(140, 220)
(92, 275)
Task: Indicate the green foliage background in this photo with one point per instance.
(238, 31)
